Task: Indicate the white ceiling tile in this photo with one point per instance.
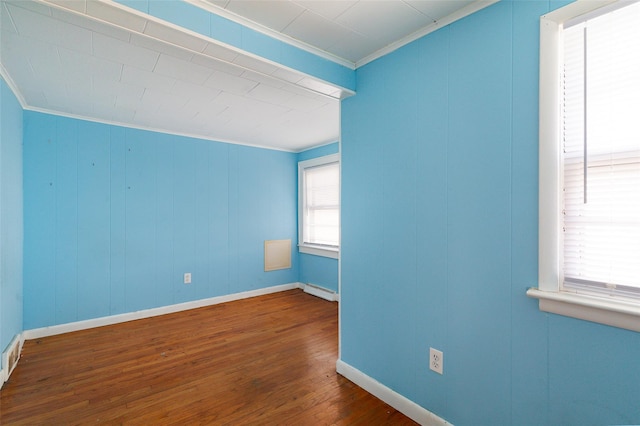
(124, 53)
(329, 9)
(193, 108)
(438, 9)
(316, 30)
(111, 12)
(77, 5)
(212, 109)
(6, 23)
(274, 14)
(230, 83)
(36, 7)
(138, 77)
(50, 30)
(170, 114)
(80, 89)
(125, 102)
(45, 62)
(224, 133)
(34, 96)
(21, 72)
(262, 110)
(123, 115)
(383, 20)
(194, 91)
(293, 117)
(354, 47)
(264, 79)
(16, 50)
(305, 103)
(145, 117)
(209, 120)
(287, 75)
(220, 52)
(56, 95)
(124, 92)
(229, 100)
(217, 65)
(171, 35)
(160, 46)
(91, 24)
(181, 70)
(78, 64)
(160, 98)
(79, 106)
(269, 94)
(254, 64)
(103, 111)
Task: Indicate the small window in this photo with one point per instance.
(589, 250)
(319, 211)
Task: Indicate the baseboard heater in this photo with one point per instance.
(10, 358)
(321, 292)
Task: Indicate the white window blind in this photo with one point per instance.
(601, 154)
(321, 205)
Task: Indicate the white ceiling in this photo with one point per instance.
(98, 60)
(351, 32)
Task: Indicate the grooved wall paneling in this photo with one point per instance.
(114, 217)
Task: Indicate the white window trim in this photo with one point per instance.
(317, 250)
(603, 310)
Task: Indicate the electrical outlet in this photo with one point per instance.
(435, 360)
(187, 277)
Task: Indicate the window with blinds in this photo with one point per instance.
(600, 125)
(319, 181)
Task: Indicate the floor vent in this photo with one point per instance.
(11, 356)
(320, 292)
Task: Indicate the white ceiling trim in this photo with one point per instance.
(459, 14)
(271, 33)
(13, 86)
(164, 131)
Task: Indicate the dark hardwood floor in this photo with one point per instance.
(268, 360)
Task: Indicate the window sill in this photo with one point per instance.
(590, 308)
(333, 253)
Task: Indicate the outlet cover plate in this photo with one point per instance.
(435, 360)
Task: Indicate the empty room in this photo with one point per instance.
(320, 212)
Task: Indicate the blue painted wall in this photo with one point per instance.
(115, 216)
(11, 218)
(319, 270)
(439, 237)
(200, 21)
(321, 151)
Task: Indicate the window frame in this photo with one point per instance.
(616, 312)
(314, 249)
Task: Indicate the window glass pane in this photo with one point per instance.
(601, 216)
(322, 205)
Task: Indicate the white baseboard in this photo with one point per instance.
(321, 292)
(391, 397)
(37, 333)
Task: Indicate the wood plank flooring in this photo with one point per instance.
(268, 360)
